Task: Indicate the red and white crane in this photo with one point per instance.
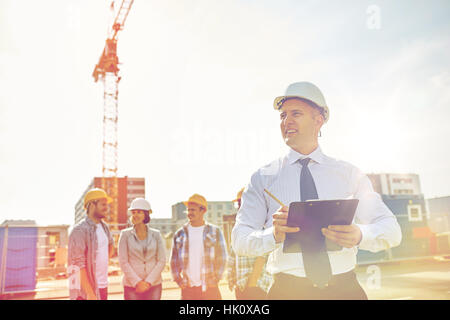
(107, 70)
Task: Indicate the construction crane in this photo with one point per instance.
(107, 69)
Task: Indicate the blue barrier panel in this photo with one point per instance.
(21, 259)
(367, 256)
(2, 236)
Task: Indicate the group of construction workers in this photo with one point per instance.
(258, 265)
(198, 259)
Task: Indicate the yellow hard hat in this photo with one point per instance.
(196, 198)
(239, 195)
(96, 194)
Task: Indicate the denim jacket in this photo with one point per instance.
(82, 254)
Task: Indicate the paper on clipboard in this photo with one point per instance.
(311, 217)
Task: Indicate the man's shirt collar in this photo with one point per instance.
(316, 155)
(91, 223)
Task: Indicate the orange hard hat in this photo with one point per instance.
(239, 195)
(198, 199)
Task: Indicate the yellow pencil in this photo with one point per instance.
(274, 198)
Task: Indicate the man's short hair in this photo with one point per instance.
(89, 204)
(309, 102)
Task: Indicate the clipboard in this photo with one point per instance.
(311, 216)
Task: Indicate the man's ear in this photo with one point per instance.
(319, 119)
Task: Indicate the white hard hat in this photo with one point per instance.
(140, 204)
(304, 90)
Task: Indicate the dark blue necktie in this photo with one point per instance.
(316, 262)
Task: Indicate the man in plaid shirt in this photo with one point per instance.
(198, 254)
(248, 275)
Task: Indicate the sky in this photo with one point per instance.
(195, 99)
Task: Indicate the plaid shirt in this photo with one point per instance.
(239, 269)
(214, 257)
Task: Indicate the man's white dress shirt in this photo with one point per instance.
(252, 234)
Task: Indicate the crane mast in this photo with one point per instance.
(107, 70)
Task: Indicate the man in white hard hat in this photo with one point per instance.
(306, 173)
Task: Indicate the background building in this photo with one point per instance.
(128, 188)
(179, 211)
(165, 226)
(402, 194)
(439, 221)
(393, 184)
(216, 210)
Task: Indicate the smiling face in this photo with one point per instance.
(99, 208)
(137, 216)
(195, 214)
(300, 124)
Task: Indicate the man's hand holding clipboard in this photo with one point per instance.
(340, 231)
(280, 227)
(279, 218)
(317, 219)
(346, 236)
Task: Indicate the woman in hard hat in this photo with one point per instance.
(142, 255)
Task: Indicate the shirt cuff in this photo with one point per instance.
(178, 281)
(367, 235)
(269, 243)
(80, 263)
(134, 282)
(150, 279)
